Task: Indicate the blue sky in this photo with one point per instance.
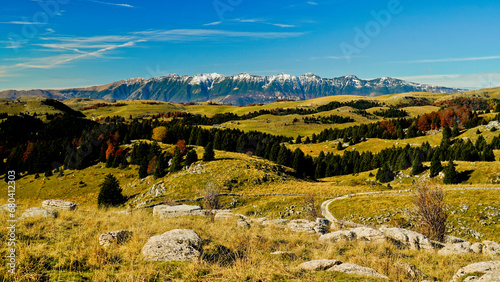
(72, 43)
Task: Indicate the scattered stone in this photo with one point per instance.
(277, 222)
(338, 236)
(174, 245)
(412, 272)
(485, 267)
(319, 264)
(452, 240)
(368, 234)
(39, 212)
(491, 248)
(243, 223)
(304, 225)
(322, 221)
(408, 238)
(224, 214)
(456, 249)
(350, 268)
(118, 237)
(281, 253)
(477, 248)
(59, 205)
(166, 211)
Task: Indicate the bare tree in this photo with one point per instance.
(310, 206)
(432, 211)
(211, 200)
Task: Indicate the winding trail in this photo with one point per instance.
(325, 211)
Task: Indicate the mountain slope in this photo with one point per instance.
(237, 89)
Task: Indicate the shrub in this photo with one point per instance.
(110, 193)
(310, 207)
(211, 199)
(432, 211)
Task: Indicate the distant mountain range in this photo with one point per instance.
(237, 89)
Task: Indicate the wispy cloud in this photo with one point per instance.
(22, 23)
(213, 23)
(71, 49)
(447, 60)
(471, 81)
(114, 4)
(334, 57)
(312, 3)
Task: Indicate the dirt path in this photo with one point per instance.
(325, 211)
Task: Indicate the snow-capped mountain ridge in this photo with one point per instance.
(240, 88)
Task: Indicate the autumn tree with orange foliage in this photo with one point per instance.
(160, 133)
(182, 146)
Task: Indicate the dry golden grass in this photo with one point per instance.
(67, 249)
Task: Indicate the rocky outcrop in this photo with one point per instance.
(368, 234)
(338, 236)
(166, 211)
(59, 205)
(276, 222)
(477, 248)
(489, 268)
(455, 249)
(304, 225)
(114, 237)
(319, 264)
(174, 245)
(407, 238)
(411, 272)
(350, 268)
(491, 248)
(39, 212)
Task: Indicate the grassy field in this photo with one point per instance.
(470, 210)
(67, 249)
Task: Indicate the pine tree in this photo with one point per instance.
(209, 154)
(401, 133)
(436, 166)
(282, 155)
(339, 146)
(455, 131)
(385, 174)
(298, 162)
(487, 154)
(102, 154)
(417, 166)
(116, 162)
(143, 169)
(161, 166)
(446, 133)
(275, 149)
(298, 140)
(110, 193)
(450, 174)
(109, 161)
(176, 164)
(191, 157)
(217, 141)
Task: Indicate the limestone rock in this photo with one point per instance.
(322, 221)
(412, 273)
(452, 240)
(118, 237)
(276, 222)
(174, 245)
(166, 211)
(243, 223)
(408, 238)
(485, 266)
(477, 248)
(36, 212)
(319, 264)
(338, 236)
(224, 214)
(304, 225)
(456, 249)
(368, 234)
(487, 277)
(491, 248)
(6, 208)
(59, 205)
(350, 268)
